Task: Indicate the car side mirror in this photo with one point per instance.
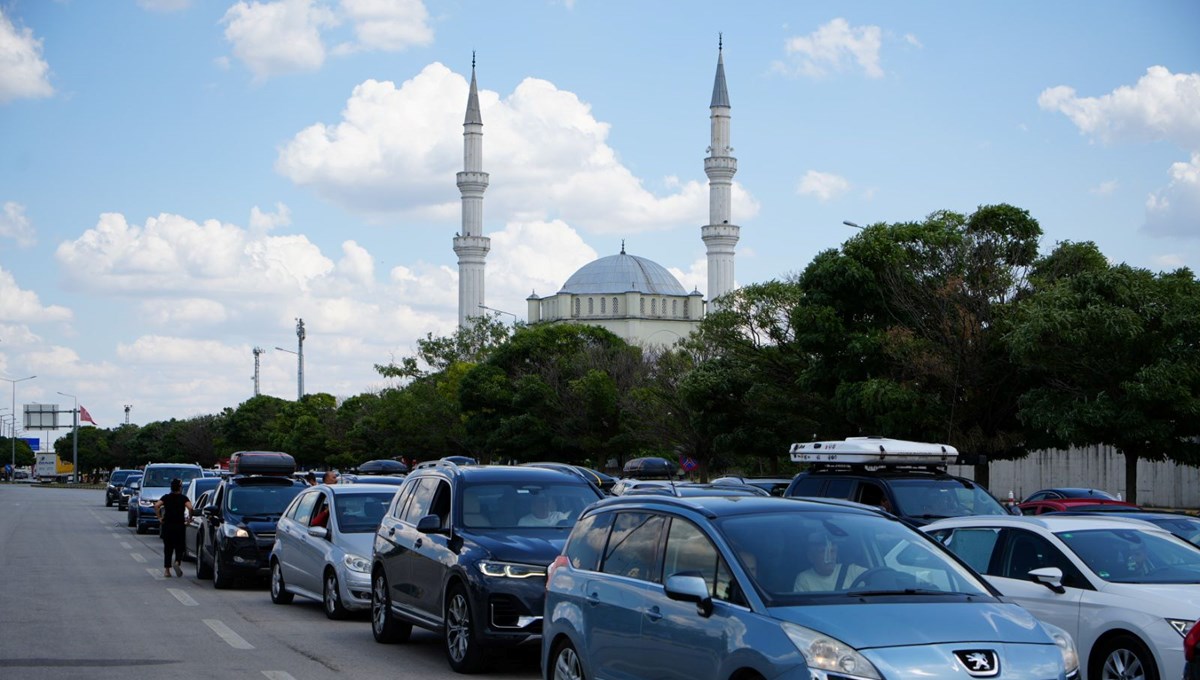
(318, 532)
(686, 588)
(1051, 577)
(430, 524)
(210, 511)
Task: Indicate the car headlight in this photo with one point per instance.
(510, 569)
(1181, 626)
(355, 563)
(145, 503)
(1066, 646)
(824, 653)
(234, 532)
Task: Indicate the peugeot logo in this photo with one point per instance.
(979, 663)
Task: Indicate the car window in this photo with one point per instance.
(422, 500)
(838, 488)
(515, 504)
(301, 509)
(1135, 556)
(360, 513)
(807, 486)
(400, 502)
(633, 546)
(587, 541)
(973, 546)
(1025, 551)
(1038, 496)
(689, 551)
(260, 500)
(157, 477)
(943, 497)
(201, 501)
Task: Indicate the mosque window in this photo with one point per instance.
(603, 306)
(591, 307)
(654, 308)
(576, 311)
(642, 307)
(614, 306)
(674, 307)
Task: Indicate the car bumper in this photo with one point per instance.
(146, 517)
(356, 589)
(511, 608)
(247, 555)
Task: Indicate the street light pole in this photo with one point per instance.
(13, 439)
(500, 311)
(75, 443)
(299, 383)
(848, 223)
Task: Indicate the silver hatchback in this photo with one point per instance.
(323, 546)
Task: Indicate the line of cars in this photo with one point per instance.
(673, 580)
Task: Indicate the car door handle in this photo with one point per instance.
(654, 614)
(391, 531)
(418, 543)
(593, 599)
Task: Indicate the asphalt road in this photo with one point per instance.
(83, 596)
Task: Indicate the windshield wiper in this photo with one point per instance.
(901, 591)
(260, 517)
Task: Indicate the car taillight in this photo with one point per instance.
(560, 561)
(1191, 641)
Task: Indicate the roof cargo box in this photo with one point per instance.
(262, 463)
(874, 451)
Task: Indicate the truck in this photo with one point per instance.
(50, 468)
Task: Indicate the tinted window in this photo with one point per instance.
(260, 500)
(1026, 551)
(807, 486)
(422, 500)
(402, 498)
(633, 546)
(302, 509)
(360, 513)
(162, 476)
(973, 546)
(587, 541)
(515, 504)
(944, 497)
(120, 476)
(1132, 556)
(838, 488)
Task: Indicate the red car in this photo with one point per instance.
(1069, 498)
(1191, 652)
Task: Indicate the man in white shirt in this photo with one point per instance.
(827, 574)
(541, 513)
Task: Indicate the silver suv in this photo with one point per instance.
(156, 483)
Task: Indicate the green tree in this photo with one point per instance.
(1116, 358)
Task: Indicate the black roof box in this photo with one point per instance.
(261, 463)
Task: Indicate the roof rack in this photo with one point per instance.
(873, 451)
(436, 464)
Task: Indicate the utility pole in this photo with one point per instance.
(257, 352)
(300, 370)
(128, 408)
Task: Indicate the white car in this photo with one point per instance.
(1126, 590)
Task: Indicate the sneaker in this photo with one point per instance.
(178, 570)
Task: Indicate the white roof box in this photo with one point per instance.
(873, 451)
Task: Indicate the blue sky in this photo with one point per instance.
(180, 181)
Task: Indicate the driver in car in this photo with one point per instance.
(826, 573)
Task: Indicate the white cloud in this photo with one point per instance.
(1170, 262)
(23, 72)
(914, 41)
(272, 38)
(1161, 106)
(1175, 209)
(357, 265)
(1105, 188)
(14, 225)
(823, 185)
(24, 306)
(397, 150)
(189, 312)
(529, 257)
(388, 25)
(263, 221)
(835, 47)
(696, 277)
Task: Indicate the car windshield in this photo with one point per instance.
(359, 513)
(513, 505)
(1135, 556)
(120, 476)
(261, 500)
(793, 558)
(1086, 493)
(1187, 528)
(156, 477)
(943, 497)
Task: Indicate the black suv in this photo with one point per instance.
(237, 527)
(463, 551)
(112, 493)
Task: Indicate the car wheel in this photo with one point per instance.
(141, 528)
(203, 570)
(565, 663)
(384, 625)
(107, 502)
(463, 648)
(1124, 657)
(130, 521)
(222, 579)
(333, 599)
(279, 592)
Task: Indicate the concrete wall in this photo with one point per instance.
(1160, 485)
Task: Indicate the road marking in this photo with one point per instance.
(278, 675)
(226, 633)
(126, 545)
(138, 557)
(183, 597)
(156, 573)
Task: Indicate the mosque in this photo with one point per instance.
(635, 298)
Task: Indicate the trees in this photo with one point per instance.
(1115, 352)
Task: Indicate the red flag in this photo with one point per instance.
(84, 416)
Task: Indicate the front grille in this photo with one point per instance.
(507, 612)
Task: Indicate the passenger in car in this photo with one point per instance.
(541, 513)
(827, 574)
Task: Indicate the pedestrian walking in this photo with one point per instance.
(173, 511)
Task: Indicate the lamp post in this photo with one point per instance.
(299, 376)
(75, 439)
(500, 311)
(13, 439)
(848, 223)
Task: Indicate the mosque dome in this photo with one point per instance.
(622, 273)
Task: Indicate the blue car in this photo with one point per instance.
(738, 587)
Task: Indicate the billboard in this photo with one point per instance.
(41, 416)
(34, 442)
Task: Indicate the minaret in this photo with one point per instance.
(470, 244)
(720, 236)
